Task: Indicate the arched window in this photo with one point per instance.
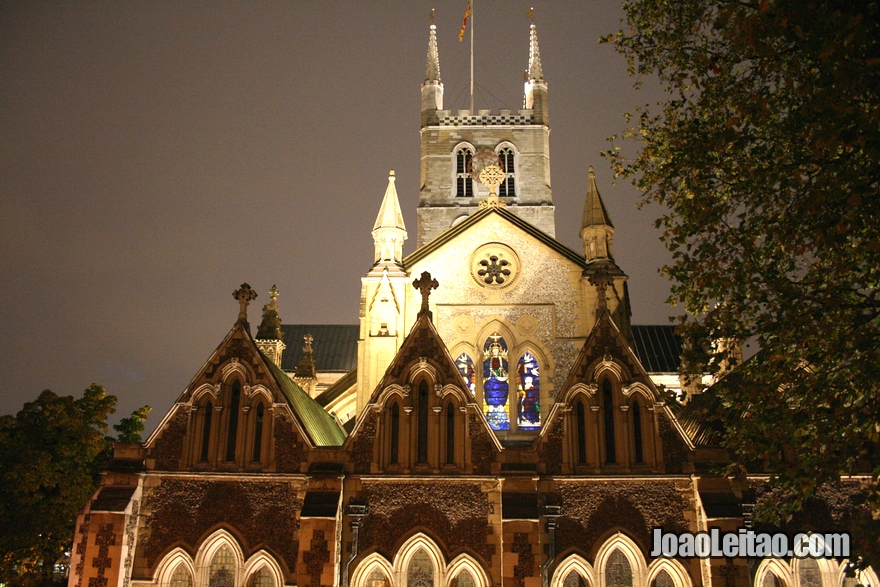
(809, 574)
(450, 434)
(376, 578)
(422, 449)
(258, 433)
(464, 184)
(637, 432)
(234, 400)
(581, 415)
(507, 189)
(770, 580)
(420, 572)
(206, 432)
(395, 434)
(608, 412)
(496, 406)
(663, 580)
(181, 577)
(463, 579)
(263, 579)
(618, 572)
(528, 393)
(574, 579)
(222, 572)
(466, 367)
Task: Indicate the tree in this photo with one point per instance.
(52, 452)
(765, 157)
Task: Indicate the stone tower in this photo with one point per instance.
(520, 140)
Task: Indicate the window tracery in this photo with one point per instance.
(421, 571)
(222, 572)
(573, 579)
(663, 580)
(618, 571)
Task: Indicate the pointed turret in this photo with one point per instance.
(597, 231)
(535, 86)
(306, 374)
(432, 88)
(269, 335)
(389, 231)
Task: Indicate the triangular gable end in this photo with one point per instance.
(607, 348)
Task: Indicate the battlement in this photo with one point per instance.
(484, 118)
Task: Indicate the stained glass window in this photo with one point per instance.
(809, 574)
(181, 577)
(573, 579)
(618, 572)
(262, 579)
(376, 579)
(496, 405)
(222, 569)
(463, 579)
(421, 571)
(466, 366)
(528, 393)
(663, 580)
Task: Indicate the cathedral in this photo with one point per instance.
(493, 419)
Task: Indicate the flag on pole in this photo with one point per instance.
(467, 15)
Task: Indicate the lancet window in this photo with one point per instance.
(618, 571)
(496, 388)
(181, 577)
(464, 184)
(222, 573)
(466, 367)
(420, 572)
(528, 392)
(507, 189)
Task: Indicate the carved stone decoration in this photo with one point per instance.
(182, 511)
(425, 284)
(495, 266)
(245, 295)
(456, 513)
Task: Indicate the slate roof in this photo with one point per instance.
(658, 348)
(334, 347)
(317, 423)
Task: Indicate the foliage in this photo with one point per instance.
(51, 453)
(130, 429)
(765, 156)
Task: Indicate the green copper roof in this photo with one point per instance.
(318, 424)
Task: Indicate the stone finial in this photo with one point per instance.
(601, 279)
(270, 326)
(425, 284)
(432, 65)
(306, 373)
(245, 295)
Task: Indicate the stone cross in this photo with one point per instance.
(308, 343)
(601, 279)
(425, 284)
(245, 295)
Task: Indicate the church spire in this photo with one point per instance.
(389, 231)
(536, 73)
(597, 231)
(535, 86)
(432, 88)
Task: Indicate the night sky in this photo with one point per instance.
(154, 156)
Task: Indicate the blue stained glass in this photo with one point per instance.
(496, 390)
(528, 393)
(466, 366)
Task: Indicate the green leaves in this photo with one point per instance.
(766, 155)
(52, 452)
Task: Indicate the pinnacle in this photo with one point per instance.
(535, 72)
(595, 213)
(390, 215)
(432, 67)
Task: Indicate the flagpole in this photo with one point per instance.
(472, 57)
